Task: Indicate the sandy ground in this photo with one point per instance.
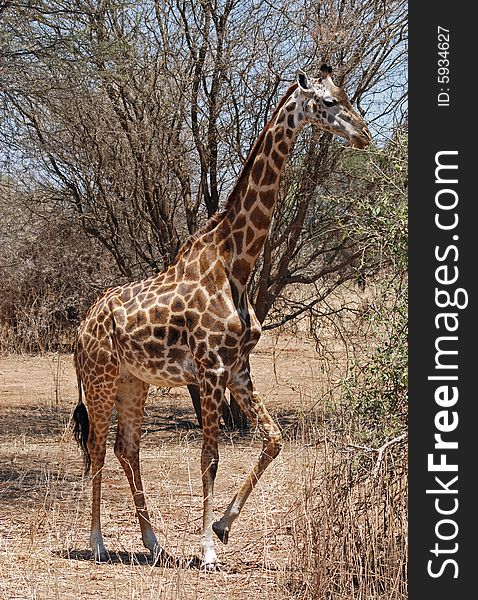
(45, 500)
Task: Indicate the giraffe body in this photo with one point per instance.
(164, 333)
(193, 324)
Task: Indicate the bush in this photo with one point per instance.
(50, 273)
(350, 534)
(351, 527)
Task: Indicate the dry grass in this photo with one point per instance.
(351, 525)
(44, 550)
(45, 501)
(317, 526)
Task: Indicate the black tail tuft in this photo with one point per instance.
(81, 430)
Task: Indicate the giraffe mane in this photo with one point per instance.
(257, 144)
(246, 168)
(216, 218)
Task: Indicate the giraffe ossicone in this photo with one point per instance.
(193, 323)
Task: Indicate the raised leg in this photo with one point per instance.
(100, 404)
(130, 400)
(212, 393)
(252, 405)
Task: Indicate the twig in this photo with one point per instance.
(380, 451)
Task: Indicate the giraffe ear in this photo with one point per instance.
(304, 82)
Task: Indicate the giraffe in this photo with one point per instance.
(193, 323)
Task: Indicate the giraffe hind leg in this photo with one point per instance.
(130, 400)
(221, 530)
(100, 404)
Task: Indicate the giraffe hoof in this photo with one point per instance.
(212, 567)
(102, 557)
(221, 532)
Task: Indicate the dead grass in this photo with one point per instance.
(44, 548)
(350, 530)
(317, 526)
(45, 501)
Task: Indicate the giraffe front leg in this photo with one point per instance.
(209, 463)
(211, 401)
(254, 408)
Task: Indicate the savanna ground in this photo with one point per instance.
(45, 500)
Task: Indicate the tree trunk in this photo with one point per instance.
(232, 415)
(194, 393)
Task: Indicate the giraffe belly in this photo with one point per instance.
(163, 372)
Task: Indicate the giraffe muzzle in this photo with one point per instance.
(361, 140)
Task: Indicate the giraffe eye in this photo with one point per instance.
(329, 101)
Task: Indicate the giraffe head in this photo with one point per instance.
(327, 106)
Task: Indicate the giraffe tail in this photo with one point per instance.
(81, 426)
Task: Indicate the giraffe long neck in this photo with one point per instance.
(248, 213)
